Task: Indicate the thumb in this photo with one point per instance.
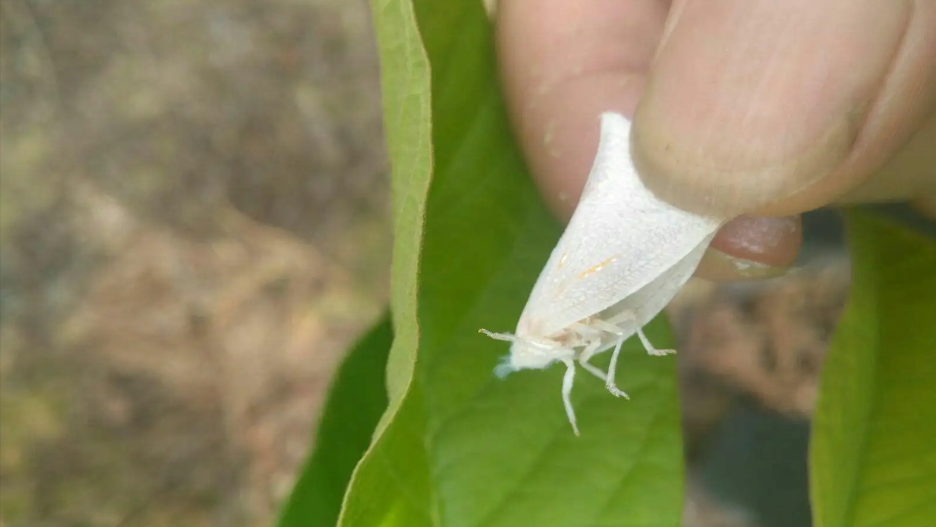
(749, 103)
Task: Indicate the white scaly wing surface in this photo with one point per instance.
(622, 242)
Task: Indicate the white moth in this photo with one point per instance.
(622, 258)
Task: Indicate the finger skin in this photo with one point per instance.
(781, 107)
(564, 63)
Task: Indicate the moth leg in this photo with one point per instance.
(567, 381)
(623, 316)
(612, 371)
(628, 316)
(612, 368)
(607, 327)
(608, 377)
(586, 355)
(649, 347)
(585, 331)
(594, 370)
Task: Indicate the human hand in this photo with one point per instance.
(758, 109)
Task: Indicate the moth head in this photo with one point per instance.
(528, 353)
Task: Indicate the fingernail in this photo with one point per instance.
(775, 240)
(751, 102)
(716, 265)
(752, 247)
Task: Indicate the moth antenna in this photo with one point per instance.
(509, 337)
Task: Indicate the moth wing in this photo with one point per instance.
(620, 238)
(651, 299)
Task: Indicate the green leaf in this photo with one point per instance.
(407, 125)
(459, 448)
(355, 402)
(873, 453)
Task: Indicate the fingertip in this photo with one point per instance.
(561, 65)
(750, 103)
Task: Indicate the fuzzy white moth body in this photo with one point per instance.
(622, 258)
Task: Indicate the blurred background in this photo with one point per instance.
(194, 227)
